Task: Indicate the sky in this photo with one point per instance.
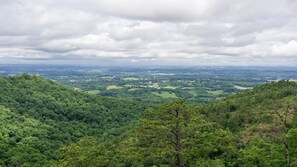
(149, 32)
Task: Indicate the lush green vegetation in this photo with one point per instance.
(264, 122)
(157, 85)
(254, 128)
(46, 124)
(38, 117)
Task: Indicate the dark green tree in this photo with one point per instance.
(175, 135)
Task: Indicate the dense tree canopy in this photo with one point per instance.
(241, 130)
(169, 135)
(46, 124)
(40, 116)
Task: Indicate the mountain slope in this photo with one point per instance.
(24, 140)
(42, 115)
(38, 117)
(264, 119)
(253, 106)
(243, 130)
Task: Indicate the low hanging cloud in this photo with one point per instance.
(160, 32)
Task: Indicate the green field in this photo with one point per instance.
(241, 87)
(165, 94)
(93, 92)
(110, 87)
(170, 87)
(131, 79)
(216, 92)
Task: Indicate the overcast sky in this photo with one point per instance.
(149, 32)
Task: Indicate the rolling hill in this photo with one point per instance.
(44, 123)
(257, 127)
(39, 116)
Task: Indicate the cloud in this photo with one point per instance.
(164, 10)
(285, 49)
(179, 32)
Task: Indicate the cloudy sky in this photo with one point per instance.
(149, 32)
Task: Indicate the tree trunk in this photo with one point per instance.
(177, 135)
(283, 119)
(287, 153)
(179, 162)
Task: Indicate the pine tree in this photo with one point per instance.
(175, 135)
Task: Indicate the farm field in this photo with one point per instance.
(156, 85)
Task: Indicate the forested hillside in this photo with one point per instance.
(264, 120)
(38, 117)
(253, 128)
(46, 124)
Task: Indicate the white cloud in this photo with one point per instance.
(159, 10)
(285, 49)
(229, 32)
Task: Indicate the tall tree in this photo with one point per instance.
(174, 134)
(283, 117)
(162, 131)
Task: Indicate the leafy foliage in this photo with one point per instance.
(169, 135)
(40, 116)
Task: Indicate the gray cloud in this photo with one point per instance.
(168, 32)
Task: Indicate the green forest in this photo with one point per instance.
(46, 124)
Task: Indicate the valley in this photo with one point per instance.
(157, 84)
(85, 116)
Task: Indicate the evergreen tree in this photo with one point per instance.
(175, 135)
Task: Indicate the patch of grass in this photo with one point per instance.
(165, 94)
(77, 89)
(154, 85)
(93, 92)
(192, 92)
(129, 86)
(216, 92)
(241, 87)
(131, 79)
(169, 87)
(110, 87)
(188, 88)
(108, 77)
(133, 89)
